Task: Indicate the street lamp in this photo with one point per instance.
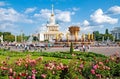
(21, 35)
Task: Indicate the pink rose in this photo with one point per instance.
(43, 75)
(95, 66)
(81, 65)
(92, 71)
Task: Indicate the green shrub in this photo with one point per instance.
(79, 66)
(71, 48)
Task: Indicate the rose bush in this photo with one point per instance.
(79, 66)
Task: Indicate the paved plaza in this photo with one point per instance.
(101, 50)
(105, 50)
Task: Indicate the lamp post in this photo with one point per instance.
(21, 35)
(15, 38)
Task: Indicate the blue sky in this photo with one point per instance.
(31, 16)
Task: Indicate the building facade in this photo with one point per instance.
(52, 28)
(116, 33)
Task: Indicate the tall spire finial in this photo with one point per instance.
(52, 9)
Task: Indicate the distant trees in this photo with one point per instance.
(106, 31)
(99, 36)
(35, 38)
(7, 36)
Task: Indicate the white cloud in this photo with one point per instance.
(44, 13)
(114, 9)
(75, 24)
(72, 13)
(5, 25)
(75, 9)
(86, 23)
(99, 17)
(90, 29)
(10, 19)
(11, 15)
(2, 3)
(64, 16)
(41, 28)
(8, 27)
(86, 29)
(30, 10)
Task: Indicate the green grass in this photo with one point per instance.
(12, 59)
(88, 58)
(47, 56)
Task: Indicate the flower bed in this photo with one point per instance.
(87, 66)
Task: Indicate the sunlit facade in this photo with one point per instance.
(52, 28)
(116, 33)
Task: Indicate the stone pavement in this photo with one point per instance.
(105, 50)
(101, 50)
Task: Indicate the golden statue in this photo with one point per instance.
(92, 36)
(83, 37)
(60, 36)
(74, 31)
(88, 36)
(56, 37)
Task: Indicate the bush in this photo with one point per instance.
(80, 66)
(71, 48)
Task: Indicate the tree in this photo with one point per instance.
(96, 35)
(110, 36)
(35, 38)
(106, 31)
(71, 48)
(26, 38)
(1, 33)
(9, 38)
(6, 33)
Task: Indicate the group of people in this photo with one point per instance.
(85, 48)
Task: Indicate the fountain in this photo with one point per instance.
(108, 40)
(73, 36)
(29, 41)
(74, 30)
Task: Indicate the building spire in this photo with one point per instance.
(52, 9)
(52, 17)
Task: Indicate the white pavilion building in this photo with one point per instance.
(52, 29)
(116, 33)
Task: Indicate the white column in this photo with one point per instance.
(1, 38)
(113, 38)
(103, 39)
